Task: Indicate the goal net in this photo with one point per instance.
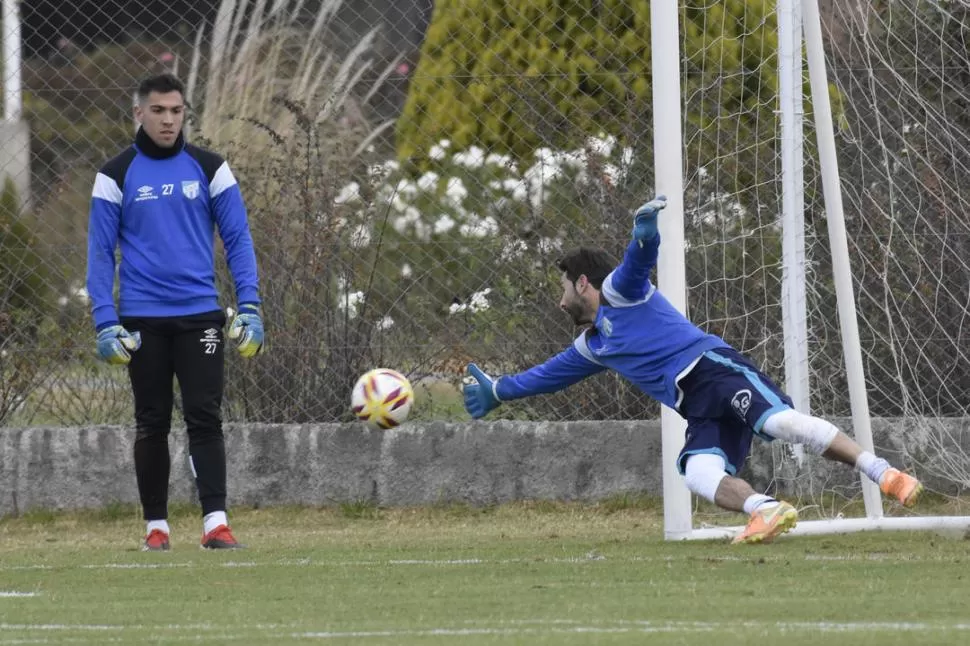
(898, 94)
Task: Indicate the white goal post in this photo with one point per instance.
(794, 19)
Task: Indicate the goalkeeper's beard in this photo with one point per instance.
(578, 314)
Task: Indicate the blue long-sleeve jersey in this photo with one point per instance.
(162, 206)
(637, 333)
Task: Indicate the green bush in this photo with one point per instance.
(23, 303)
(23, 282)
(514, 76)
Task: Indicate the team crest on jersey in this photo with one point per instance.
(605, 326)
(190, 189)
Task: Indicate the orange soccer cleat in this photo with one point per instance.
(767, 523)
(902, 486)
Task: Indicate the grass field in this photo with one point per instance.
(538, 573)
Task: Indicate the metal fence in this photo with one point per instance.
(412, 172)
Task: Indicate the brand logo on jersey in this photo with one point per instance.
(210, 340)
(606, 326)
(146, 193)
(190, 189)
(741, 402)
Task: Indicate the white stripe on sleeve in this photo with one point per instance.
(580, 344)
(616, 300)
(106, 189)
(223, 179)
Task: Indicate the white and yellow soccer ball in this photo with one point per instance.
(382, 398)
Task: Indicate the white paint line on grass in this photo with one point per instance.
(748, 555)
(542, 627)
(126, 641)
(443, 561)
(507, 632)
(152, 627)
(491, 627)
(134, 566)
(45, 627)
(14, 593)
(815, 625)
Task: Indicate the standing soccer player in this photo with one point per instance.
(725, 399)
(161, 200)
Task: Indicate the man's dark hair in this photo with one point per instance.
(595, 264)
(162, 83)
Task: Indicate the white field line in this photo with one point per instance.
(13, 593)
(216, 638)
(592, 557)
(645, 627)
(123, 627)
(490, 628)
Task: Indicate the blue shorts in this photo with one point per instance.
(726, 400)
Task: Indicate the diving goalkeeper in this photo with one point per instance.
(726, 400)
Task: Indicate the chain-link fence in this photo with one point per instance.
(413, 171)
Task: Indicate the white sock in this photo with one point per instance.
(756, 500)
(157, 524)
(213, 520)
(872, 466)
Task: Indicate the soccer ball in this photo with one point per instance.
(382, 398)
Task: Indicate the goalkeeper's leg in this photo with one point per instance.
(150, 372)
(725, 384)
(823, 438)
(708, 460)
(198, 356)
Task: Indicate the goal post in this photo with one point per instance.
(842, 272)
(798, 23)
(668, 162)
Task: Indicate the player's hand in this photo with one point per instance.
(645, 219)
(115, 344)
(246, 330)
(480, 396)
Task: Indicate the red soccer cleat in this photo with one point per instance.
(221, 538)
(156, 541)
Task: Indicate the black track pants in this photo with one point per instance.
(189, 348)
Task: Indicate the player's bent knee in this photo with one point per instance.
(703, 473)
(798, 428)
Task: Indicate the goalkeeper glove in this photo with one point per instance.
(480, 397)
(115, 344)
(247, 330)
(645, 219)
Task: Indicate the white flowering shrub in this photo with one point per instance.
(474, 216)
(465, 250)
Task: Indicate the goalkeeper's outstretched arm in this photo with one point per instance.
(559, 372)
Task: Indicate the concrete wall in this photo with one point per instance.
(476, 463)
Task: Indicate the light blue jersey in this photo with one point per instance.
(637, 333)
